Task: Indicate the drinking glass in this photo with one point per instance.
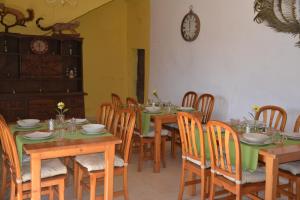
(278, 138)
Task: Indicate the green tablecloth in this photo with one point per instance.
(249, 153)
(20, 140)
(146, 119)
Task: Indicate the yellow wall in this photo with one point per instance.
(111, 35)
(52, 13)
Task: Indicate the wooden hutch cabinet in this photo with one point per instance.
(36, 72)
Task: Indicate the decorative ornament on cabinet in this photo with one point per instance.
(190, 26)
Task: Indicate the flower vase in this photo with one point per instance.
(60, 118)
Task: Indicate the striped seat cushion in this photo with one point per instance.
(292, 167)
(49, 168)
(94, 162)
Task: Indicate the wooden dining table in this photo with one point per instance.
(272, 158)
(67, 147)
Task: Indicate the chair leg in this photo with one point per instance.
(61, 190)
(298, 188)
(141, 156)
(181, 189)
(12, 189)
(163, 152)
(212, 188)
(75, 178)
(191, 188)
(238, 193)
(19, 192)
(125, 183)
(92, 187)
(4, 178)
(173, 144)
(203, 184)
(78, 183)
(51, 194)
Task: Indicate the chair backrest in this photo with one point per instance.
(105, 114)
(134, 105)
(116, 100)
(192, 138)
(205, 104)
(297, 124)
(189, 99)
(123, 128)
(274, 116)
(223, 143)
(10, 151)
(131, 101)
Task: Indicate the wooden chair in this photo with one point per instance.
(227, 172)
(276, 119)
(189, 99)
(193, 152)
(205, 105)
(52, 171)
(105, 114)
(4, 166)
(92, 164)
(144, 140)
(116, 100)
(291, 171)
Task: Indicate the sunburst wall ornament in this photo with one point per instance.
(281, 15)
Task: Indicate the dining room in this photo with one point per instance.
(149, 99)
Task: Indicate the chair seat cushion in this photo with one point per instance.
(172, 125)
(94, 162)
(257, 176)
(292, 167)
(198, 162)
(49, 168)
(151, 132)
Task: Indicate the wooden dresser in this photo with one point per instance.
(36, 72)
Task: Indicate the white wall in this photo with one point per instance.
(242, 63)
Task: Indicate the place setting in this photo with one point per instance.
(28, 124)
(93, 129)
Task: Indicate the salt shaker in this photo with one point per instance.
(51, 125)
(247, 128)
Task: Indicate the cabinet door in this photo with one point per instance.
(47, 66)
(41, 108)
(9, 66)
(12, 109)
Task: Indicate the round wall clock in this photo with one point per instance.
(190, 26)
(39, 46)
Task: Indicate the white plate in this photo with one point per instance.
(28, 122)
(78, 121)
(93, 127)
(185, 108)
(255, 137)
(28, 127)
(294, 136)
(153, 109)
(38, 135)
(93, 133)
(243, 140)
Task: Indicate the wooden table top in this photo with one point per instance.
(65, 144)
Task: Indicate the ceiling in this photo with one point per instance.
(51, 12)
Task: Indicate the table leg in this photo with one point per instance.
(35, 165)
(271, 177)
(109, 172)
(157, 142)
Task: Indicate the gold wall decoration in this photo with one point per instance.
(281, 15)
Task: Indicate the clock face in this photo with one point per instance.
(190, 26)
(39, 46)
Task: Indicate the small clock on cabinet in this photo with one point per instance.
(190, 26)
(39, 46)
